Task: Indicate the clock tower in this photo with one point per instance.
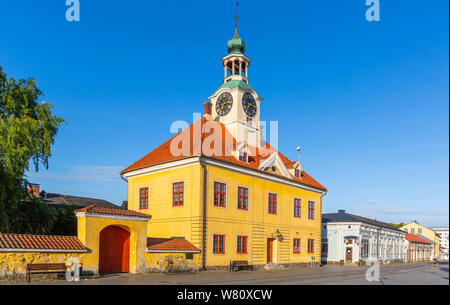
(235, 104)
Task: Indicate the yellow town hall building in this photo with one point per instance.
(219, 185)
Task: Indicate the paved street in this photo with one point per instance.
(397, 274)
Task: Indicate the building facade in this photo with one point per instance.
(348, 238)
(444, 241)
(417, 229)
(220, 185)
(419, 249)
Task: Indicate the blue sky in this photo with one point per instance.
(366, 101)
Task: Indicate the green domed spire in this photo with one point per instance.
(236, 45)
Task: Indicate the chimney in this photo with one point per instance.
(207, 108)
(33, 189)
(341, 211)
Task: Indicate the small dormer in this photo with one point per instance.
(274, 164)
(296, 170)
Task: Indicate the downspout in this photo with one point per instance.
(204, 185)
(321, 227)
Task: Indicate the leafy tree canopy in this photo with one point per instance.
(27, 127)
(27, 131)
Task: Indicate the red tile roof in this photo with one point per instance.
(39, 242)
(111, 211)
(163, 153)
(170, 244)
(416, 239)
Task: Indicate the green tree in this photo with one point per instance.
(397, 225)
(27, 131)
(66, 221)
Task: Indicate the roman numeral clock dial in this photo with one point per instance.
(224, 104)
(249, 105)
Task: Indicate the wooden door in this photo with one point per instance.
(114, 256)
(349, 254)
(270, 250)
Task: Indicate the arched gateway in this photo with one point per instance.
(114, 250)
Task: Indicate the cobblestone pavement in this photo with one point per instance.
(395, 274)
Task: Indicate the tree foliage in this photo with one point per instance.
(27, 131)
(397, 225)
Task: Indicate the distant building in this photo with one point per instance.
(419, 249)
(56, 200)
(350, 238)
(415, 228)
(444, 241)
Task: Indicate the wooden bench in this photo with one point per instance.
(44, 268)
(240, 265)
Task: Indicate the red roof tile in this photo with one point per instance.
(170, 244)
(163, 153)
(40, 242)
(111, 211)
(416, 239)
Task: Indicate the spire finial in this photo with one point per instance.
(236, 17)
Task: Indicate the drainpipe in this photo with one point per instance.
(321, 228)
(204, 215)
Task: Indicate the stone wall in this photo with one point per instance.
(171, 262)
(15, 263)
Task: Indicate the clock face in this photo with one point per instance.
(224, 104)
(249, 104)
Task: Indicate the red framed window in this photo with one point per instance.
(310, 245)
(242, 198)
(243, 156)
(143, 198)
(311, 206)
(297, 243)
(220, 194)
(242, 244)
(218, 244)
(178, 194)
(272, 203)
(297, 173)
(297, 207)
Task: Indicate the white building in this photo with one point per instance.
(443, 234)
(348, 238)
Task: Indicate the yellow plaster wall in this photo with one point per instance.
(256, 223)
(177, 261)
(169, 221)
(16, 262)
(89, 229)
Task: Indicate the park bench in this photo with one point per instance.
(240, 265)
(44, 268)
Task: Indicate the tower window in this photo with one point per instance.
(243, 156)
